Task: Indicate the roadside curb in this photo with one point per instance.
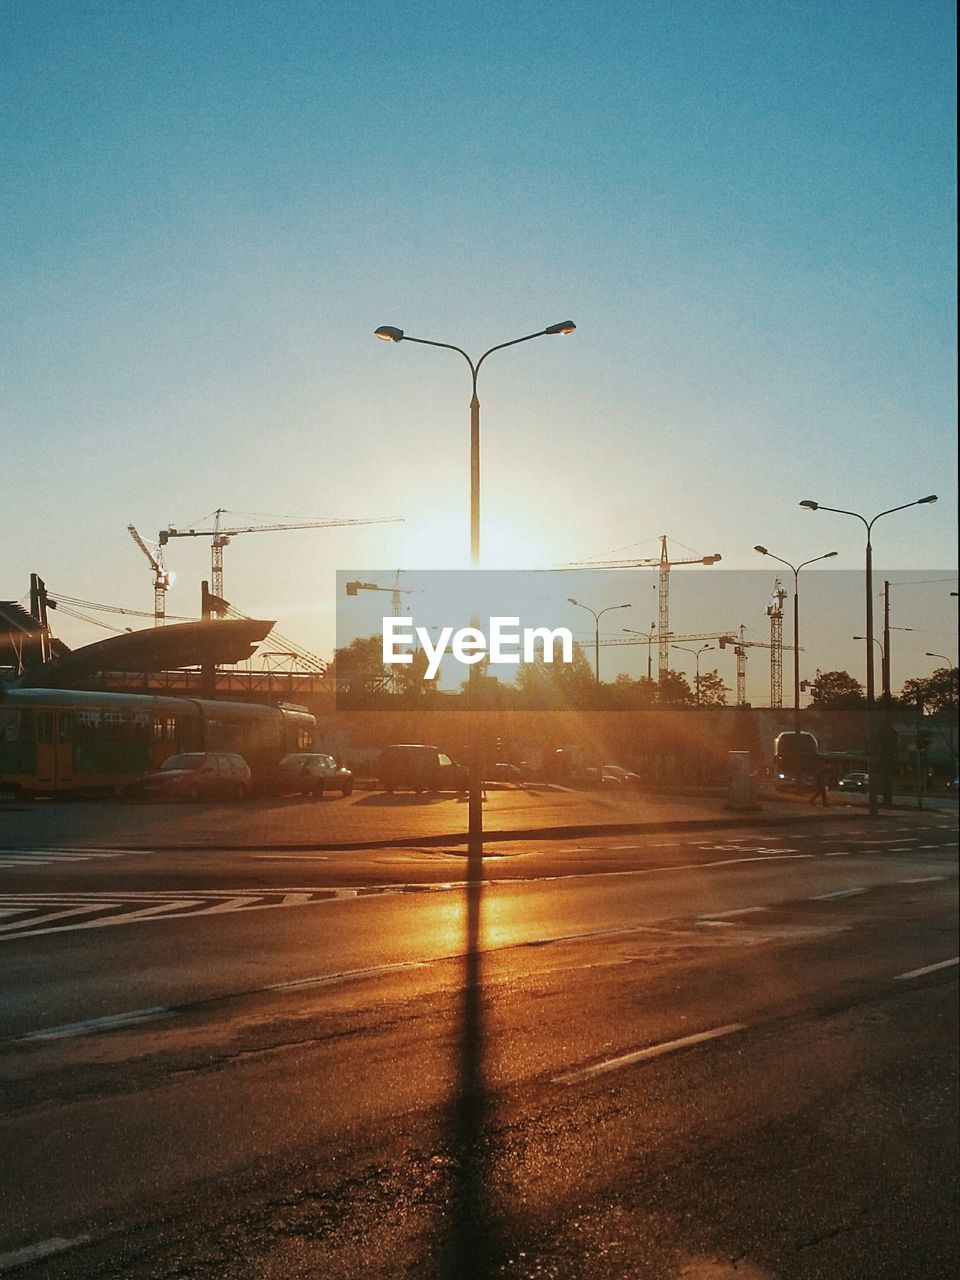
(558, 832)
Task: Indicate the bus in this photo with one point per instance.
(65, 740)
(795, 758)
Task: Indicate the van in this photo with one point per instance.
(412, 766)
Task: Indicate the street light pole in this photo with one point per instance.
(648, 637)
(696, 653)
(388, 333)
(809, 505)
(795, 569)
(596, 635)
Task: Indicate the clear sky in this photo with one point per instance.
(748, 209)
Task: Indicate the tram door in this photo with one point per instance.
(54, 749)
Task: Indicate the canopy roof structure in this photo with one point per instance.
(217, 642)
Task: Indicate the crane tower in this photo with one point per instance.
(161, 578)
(220, 537)
(775, 614)
(664, 564)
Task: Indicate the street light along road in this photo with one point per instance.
(809, 505)
(596, 636)
(389, 333)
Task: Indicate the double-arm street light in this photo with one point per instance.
(795, 570)
(809, 505)
(696, 653)
(390, 334)
(596, 634)
(648, 637)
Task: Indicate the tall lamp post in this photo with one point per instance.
(696, 653)
(795, 570)
(809, 505)
(388, 333)
(596, 634)
(648, 637)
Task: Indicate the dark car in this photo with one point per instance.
(412, 766)
(854, 782)
(308, 773)
(197, 775)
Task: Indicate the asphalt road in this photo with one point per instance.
(699, 1055)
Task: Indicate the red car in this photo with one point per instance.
(197, 775)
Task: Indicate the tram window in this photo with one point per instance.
(44, 726)
(15, 725)
(65, 727)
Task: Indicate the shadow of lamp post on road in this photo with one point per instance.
(473, 1251)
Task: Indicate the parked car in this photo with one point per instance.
(624, 776)
(503, 772)
(412, 766)
(308, 773)
(197, 775)
(854, 782)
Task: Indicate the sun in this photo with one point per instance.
(440, 539)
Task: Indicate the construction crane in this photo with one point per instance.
(161, 578)
(664, 564)
(220, 536)
(740, 646)
(396, 605)
(396, 591)
(775, 614)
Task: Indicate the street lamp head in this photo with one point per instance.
(828, 555)
(931, 497)
(763, 550)
(565, 326)
(712, 559)
(809, 505)
(387, 333)
(570, 600)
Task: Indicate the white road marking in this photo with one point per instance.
(930, 968)
(922, 880)
(708, 923)
(740, 911)
(90, 1027)
(33, 1252)
(641, 1055)
(837, 893)
(327, 979)
(838, 853)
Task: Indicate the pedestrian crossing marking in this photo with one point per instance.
(43, 913)
(61, 853)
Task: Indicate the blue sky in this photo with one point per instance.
(747, 208)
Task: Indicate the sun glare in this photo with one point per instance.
(441, 540)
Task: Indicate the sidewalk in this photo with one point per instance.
(369, 820)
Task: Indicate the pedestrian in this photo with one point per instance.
(819, 784)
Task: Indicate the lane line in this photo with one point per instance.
(837, 893)
(922, 880)
(92, 1026)
(930, 968)
(641, 1055)
(33, 1252)
(838, 853)
(739, 911)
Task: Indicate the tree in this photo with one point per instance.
(359, 668)
(937, 694)
(836, 689)
(559, 684)
(675, 691)
(713, 692)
